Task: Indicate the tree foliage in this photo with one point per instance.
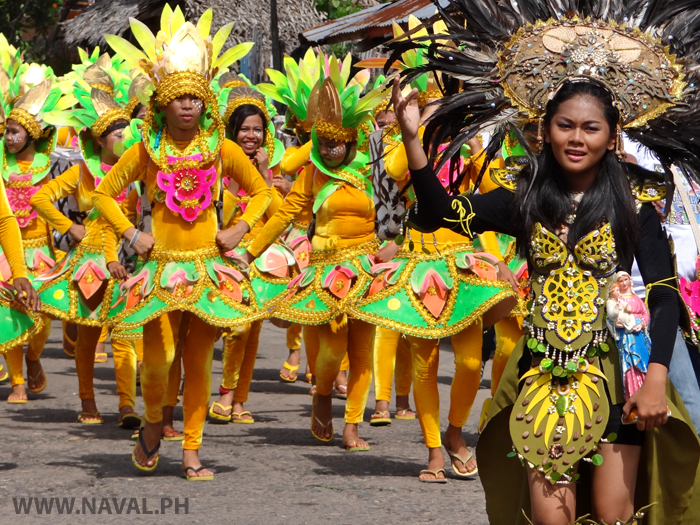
(27, 23)
(336, 8)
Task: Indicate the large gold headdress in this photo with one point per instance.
(640, 73)
(513, 56)
(29, 109)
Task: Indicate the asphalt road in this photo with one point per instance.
(271, 472)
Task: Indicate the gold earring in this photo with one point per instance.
(620, 145)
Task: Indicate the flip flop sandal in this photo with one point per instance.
(3, 374)
(291, 369)
(341, 391)
(402, 413)
(86, 418)
(455, 470)
(434, 473)
(320, 423)
(220, 418)
(101, 357)
(383, 420)
(172, 435)
(130, 420)
(239, 418)
(41, 388)
(149, 454)
(308, 377)
(195, 470)
(17, 401)
(349, 448)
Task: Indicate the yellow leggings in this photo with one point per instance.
(13, 357)
(240, 352)
(312, 345)
(391, 351)
(294, 337)
(88, 337)
(465, 383)
(508, 332)
(160, 339)
(124, 354)
(355, 338)
(103, 335)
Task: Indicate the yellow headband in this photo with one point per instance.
(27, 121)
(334, 132)
(108, 118)
(182, 83)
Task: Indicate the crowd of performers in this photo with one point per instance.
(490, 181)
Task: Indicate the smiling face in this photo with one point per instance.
(183, 112)
(250, 135)
(15, 136)
(333, 152)
(580, 135)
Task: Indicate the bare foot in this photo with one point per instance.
(454, 441)
(403, 407)
(190, 458)
(100, 354)
(36, 378)
(312, 390)
(224, 400)
(293, 360)
(238, 414)
(436, 462)
(322, 417)
(381, 411)
(168, 430)
(89, 410)
(151, 437)
(351, 439)
(19, 394)
(307, 375)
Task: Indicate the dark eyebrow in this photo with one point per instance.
(568, 120)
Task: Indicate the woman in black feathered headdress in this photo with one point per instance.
(585, 71)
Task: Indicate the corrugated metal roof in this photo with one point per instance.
(376, 16)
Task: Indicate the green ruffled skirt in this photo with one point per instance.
(432, 295)
(17, 323)
(214, 287)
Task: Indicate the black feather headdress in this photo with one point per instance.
(512, 55)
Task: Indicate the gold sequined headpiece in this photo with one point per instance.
(96, 77)
(107, 110)
(242, 95)
(137, 87)
(329, 123)
(27, 109)
(641, 74)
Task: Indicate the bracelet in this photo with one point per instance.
(134, 238)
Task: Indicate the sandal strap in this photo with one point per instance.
(433, 472)
(384, 414)
(195, 470)
(320, 423)
(148, 453)
(290, 367)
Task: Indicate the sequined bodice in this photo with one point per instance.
(570, 288)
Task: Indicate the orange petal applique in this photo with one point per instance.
(301, 254)
(377, 285)
(435, 297)
(340, 285)
(5, 270)
(230, 288)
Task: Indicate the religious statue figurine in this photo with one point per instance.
(628, 319)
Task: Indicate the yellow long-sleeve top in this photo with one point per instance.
(346, 218)
(37, 228)
(78, 182)
(295, 158)
(170, 231)
(237, 213)
(396, 166)
(10, 237)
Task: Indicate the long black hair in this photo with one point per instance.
(238, 117)
(545, 197)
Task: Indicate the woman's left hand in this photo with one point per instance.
(117, 271)
(650, 399)
(387, 253)
(263, 161)
(506, 274)
(229, 238)
(27, 294)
